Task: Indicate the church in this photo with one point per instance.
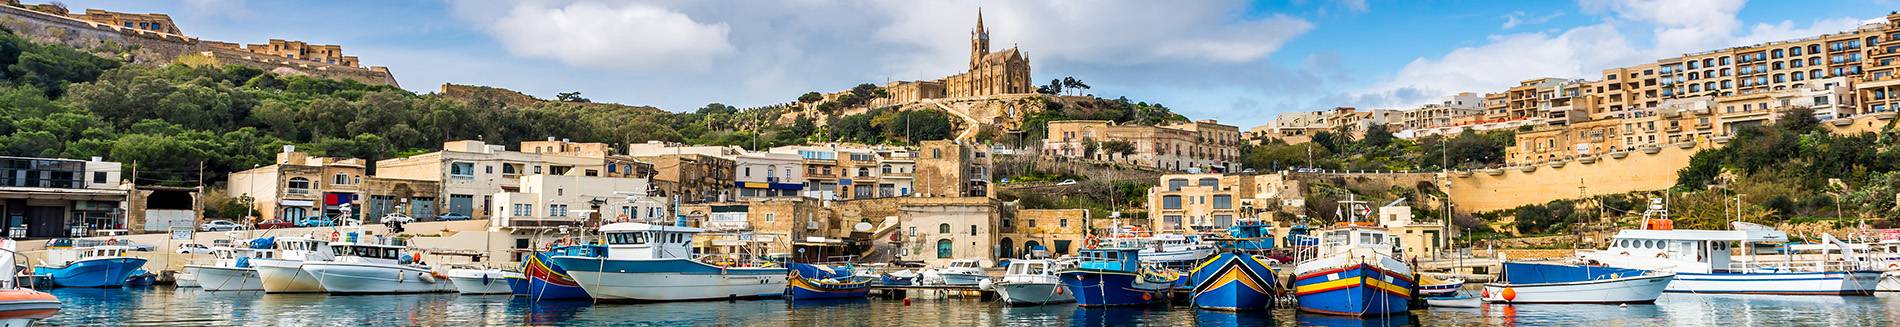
(991, 73)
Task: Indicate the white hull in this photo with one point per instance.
(1889, 282)
(1828, 283)
(470, 281)
(962, 279)
(185, 279)
(284, 276)
(226, 278)
(1033, 293)
(677, 286)
(1639, 289)
(370, 278)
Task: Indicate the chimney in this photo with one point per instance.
(97, 159)
(288, 148)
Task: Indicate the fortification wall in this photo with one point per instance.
(155, 48)
(1612, 173)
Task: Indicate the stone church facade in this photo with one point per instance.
(990, 73)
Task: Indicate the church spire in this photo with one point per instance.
(979, 41)
(979, 20)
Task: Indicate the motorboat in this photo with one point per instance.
(88, 266)
(1432, 286)
(284, 272)
(184, 279)
(141, 278)
(16, 301)
(1704, 261)
(475, 280)
(369, 264)
(1354, 272)
(1034, 282)
(904, 277)
(1234, 281)
(1455, 300)
(823, 282)
(962, 272)
(1551, 283)
(1172, 250)
(1116, 277)
(646, 262)
(232, 270)
(544, 281)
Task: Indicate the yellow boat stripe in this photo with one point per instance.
(1351, 282)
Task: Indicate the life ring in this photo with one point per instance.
(1625, 253)
(336, 236)
(1893, 266)
(1662, 255)
(112, 242)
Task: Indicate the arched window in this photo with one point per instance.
(887, 169)
(298, 185)
(943, 228)
(943, 248)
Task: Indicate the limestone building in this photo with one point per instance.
(990, 73)
(298, 186)
(1207, 144)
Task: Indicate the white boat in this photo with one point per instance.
(231, 271)
(373, 267)
(1176, 248)
(469, 280)
(184, 279)
(1704, 264)
(1455, 301)
(962, 272)
(1543, 283)
(285, 274)
(645, 262)
(1034, 282)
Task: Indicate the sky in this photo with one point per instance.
(1236, 61)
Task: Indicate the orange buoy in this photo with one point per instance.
(1510, 294)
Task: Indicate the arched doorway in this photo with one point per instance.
(1030, 246)
(1007, 250)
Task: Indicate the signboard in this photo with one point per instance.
(181, 233)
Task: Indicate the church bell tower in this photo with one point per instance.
(979, 42)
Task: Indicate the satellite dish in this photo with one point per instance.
(862, 227)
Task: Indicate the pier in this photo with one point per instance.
(931, 291)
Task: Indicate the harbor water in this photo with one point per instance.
(195, 307)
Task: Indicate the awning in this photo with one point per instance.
(788, 186)
(297, 203)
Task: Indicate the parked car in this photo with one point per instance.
(397, 218)
(1066, 182)
(316, 222)
(220, 225)
(451, 217)
(275, 223)
(193, 248)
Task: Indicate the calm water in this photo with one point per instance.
(194, 307)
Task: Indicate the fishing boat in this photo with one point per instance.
(369, 264)
(1233, 281)
(543, 281)
(1250, 235)
(16, 301)
(232, 270)
(1034, 282)
(1455, 300)
(646, 262)
(184, 279)
(1703, 263)
(1431, 286)
(962, 272)
(141, 277)
(475, 281)
(88, 266)
(1115, 277)
(1354, 272)
(284, 273)
(1168, 249)
(904, 277)
(822, 282)
(1550, 283)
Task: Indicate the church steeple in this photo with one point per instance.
(979, 41)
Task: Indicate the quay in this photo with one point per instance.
(931, 291)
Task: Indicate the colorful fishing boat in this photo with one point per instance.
(1034, 282)
(88, 266)
(821, 282)
(646, 262)
(1355, 273)
(1550, 283)
(543, 281)
(1232, 281)
(1115, 277)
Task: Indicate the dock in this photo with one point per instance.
(931, 291)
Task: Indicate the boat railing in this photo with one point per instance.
(1795, 265)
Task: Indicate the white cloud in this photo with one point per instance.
(629, 36)
(1520, 18)
(1786, 30)
(1505, 60)
(1679, 25)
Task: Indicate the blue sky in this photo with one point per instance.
(1237, 61)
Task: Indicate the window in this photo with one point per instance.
(972, 230)
(943, 249)
(1176, 184)
(98, 177)
(747, 171)
(462, 169)
(770, 217)
(1064, 223)
(943, 228)
(1210, 182)
(1171, 202)
(523, 209)
(1223, 201)
(509, 169)
(557, 210)
(298, 185)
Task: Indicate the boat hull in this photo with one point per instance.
(544, 281)
(285, 276)
(808, 289)
(1889, 282)
(1107, 288)
(962, 279)
(1440, 290)
(481, 282)
(360, 278)
(100, 272)
(670, 279)
(1234, 282)
(227, 278)
(1356, 290)
(1817, 283)
(1639, 289)
(185, 280)
(27, 303)
(1033, 293)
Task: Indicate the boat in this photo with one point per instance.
(20, 302)
(475, 281)
(1455, 301)
(822, 282)
(1354, 272)
(962, 272)
(369, 264)
(1551, 283)
(1168, 249)
(141, 278)
(646, 262)
(1034, 282)
(1115, 277)
(544, 281)
(232, 270)
(904, 277)
(185, 280)
(1233, 281)
(1247, 236)
(88, 266)
(1431, 286)
(1703, 263)
(284, 273)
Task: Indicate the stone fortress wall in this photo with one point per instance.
(154, 47)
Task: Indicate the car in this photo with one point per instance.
(220, 226)
(451, 217)
(397, 218)
(1066, 182)
(275, 224)
(316, 222)
(193, 248)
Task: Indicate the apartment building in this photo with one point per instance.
(949, 169)
(48, 197)
(1205, 202)
(778, 225)
(297, 186)
(1444, 113)
(692, 177)
(1204, 145)
(763, 175)
(470, 172)
(545, 201)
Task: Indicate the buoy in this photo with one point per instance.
(906, 302)
(1624, 306)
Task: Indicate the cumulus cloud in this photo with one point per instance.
(1786, 30)
(1679, 25)
(631, 36)
(1520, 18)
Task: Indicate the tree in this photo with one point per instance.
(810, 97)
(1799, 120)
(571, 97)
(1121, 147)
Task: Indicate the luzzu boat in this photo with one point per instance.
(821, 282)
(1234, 282)
(646, 262)
(1550, 283)
(1703, 262)
(284, 273)
(1115, 277)
(91, 266)
(1355, 274)
(543, 281)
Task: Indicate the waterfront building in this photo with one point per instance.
(779, 225)
(559, 201)
(470, 172)
(1206, 144)
(1418, 238)
(949, 169)
(939, 230)
(1053, 232)
(49, 197)
(1204, 202)
(762, 175)
(691, 177)
(298, 186)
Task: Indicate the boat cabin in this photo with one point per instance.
(1110, 259)
(647, 241)
(366, 251)
(1034, 267)
(302, 248)
(966, 263)
(1343, 239)
(67, 255)
(1685, 250)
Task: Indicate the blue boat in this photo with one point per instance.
(651, 263)
(1247, 236)
(1234, 282)
(141, 278)
(96, 266)
(546, 281)
(1356, 275)
(820, 282)
(1114, 277)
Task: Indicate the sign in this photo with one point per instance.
(181, 233)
